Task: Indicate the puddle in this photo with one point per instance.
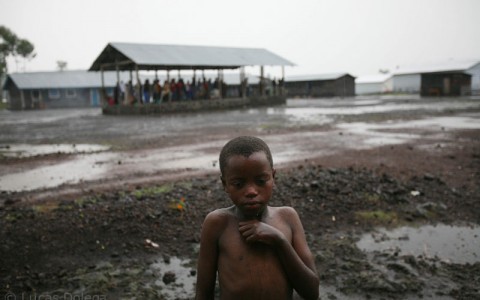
(376, 134)
(366, 106)
(82, 167)
(184, 285)
(25, 150)
(301, 115)
(452, 244)
(373, 136)
(186, 158)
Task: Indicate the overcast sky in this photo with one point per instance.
(355, 36)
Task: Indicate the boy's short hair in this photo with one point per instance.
(245, 146)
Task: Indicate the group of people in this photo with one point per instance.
(170, 90)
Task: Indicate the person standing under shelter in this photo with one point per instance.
(157, 91)
(146, 91)
(166, 91)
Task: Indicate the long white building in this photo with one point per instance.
(409, 79)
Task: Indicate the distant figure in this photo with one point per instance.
(189, 90)
(130, 93)
(157, 91)
(173, 90)
(138, 92)
(122, 91)
(274, 84)
(116, 93)
(146, 91)
(166, 95)
(258, 251)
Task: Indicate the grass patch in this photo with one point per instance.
(45, 207)
(372, 198)
(152, 191)
(377, 217)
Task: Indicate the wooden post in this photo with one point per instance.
(103, 92)
(139, 85)
(118, 72)
(219, 83)
(262, 88)
(243, 86)
(282, 82)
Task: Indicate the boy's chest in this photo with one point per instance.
(233, 243)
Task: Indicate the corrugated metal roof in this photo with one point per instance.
(330, 76)
(86, 79)
(447, 66)
(377, 78)
(63, 79)
(177, 57)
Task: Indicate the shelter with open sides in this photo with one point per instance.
(135, 57)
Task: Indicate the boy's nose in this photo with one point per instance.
(251, 191)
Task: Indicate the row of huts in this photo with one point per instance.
(86, 88)
(452, 78)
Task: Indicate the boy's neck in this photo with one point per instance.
(260, 216)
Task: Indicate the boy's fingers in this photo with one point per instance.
(248, 232)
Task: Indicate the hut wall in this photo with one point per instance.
(406, 83)
(345, 86)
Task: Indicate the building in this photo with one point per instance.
(372, 84)
(323, 85)
(134, 57)
(453, 78)
(124, 62)
(59, 89)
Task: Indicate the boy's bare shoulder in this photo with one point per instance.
(284, 211)
(220, 216)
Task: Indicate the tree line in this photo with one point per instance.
(12, 45)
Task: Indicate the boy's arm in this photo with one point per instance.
(298, 260)
(207, 258)
(295, 256)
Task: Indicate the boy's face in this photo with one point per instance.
(249, 183)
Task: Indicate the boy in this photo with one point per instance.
(259, 251)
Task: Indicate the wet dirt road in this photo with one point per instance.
(387, 189)
(47, 149)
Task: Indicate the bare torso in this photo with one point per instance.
(251, 270)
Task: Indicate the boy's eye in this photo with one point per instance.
(237, 184)
(261, 181)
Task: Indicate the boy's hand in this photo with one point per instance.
(256, 231)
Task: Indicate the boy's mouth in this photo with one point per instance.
(252, 205)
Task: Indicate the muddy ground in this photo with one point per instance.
(116, 242)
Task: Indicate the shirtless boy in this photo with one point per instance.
(259, 251)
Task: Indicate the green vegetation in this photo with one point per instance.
(377, 217)
(152, 191)
(11, 45)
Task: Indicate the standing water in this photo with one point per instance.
(451, 244)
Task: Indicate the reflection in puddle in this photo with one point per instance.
(356, 107)
(73, 171)
(382, 134)
(448, 243)
(374, 134)
(183, 286)
(301, 115)
(24, 150)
